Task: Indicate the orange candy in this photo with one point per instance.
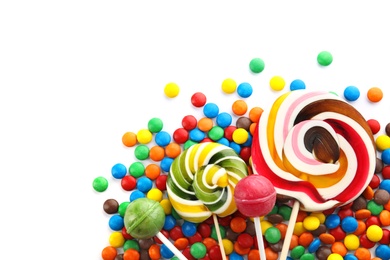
(294, 241)
(172, 150)
(270, 254)
(363, 253)
(129, 139)
(241, 250)
(339, 248)
(181, 243)
(301, 216)
(362, 214)
(305, 239)
(154, 252)
(374, 94)
(252, 128)
(254, 254)
(238, 224)
(205, 124)
(282, 228)
(255, 114)
(239, 107)
(152, 171)
(384, 217)
(131, 254)
(368, 193)
(109, 253)
(387, 206)
(156, 153)
(361, 228)
(209, 242)
(327, 238)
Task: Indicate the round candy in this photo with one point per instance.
(374, 94)
(244, 90)
(351, 93)
(202, 180)
(171, 90)
(255, 196)
(118, 171)
(144, 218)
(256, 65)
(211, 110)
(155, 125)
(198, 99)
(277, 83)
(100, 184)
(315, 148)
(297, 84)
(229, 86)
(324, 58)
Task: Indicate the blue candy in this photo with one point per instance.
(118, 171)
(314, 245)
(166, 163)
(349, 224)
(386, 156)
(144, 184)
(188, 228)
(116, 222)
(224, 119)
(169, 223)
(235, 256)
(332, 221)
(385, 185)
(244, 90)
(196, 135)
(223, 141)
(351, 93)
(211, 110)
(166, 252)
(350, 257)
(136, 195)
(383, 252)
(297, 84)
(235, 146)
(162, 138)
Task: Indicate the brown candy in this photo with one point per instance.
(250, 228)
(230, 234)
(387, 129)
(243, 122)
(323, 252)
(381, 196)
(277, 247)
(320, 230)
(119, 257)
(145, 243)
(275, 218)
(111, 206)
(379, 165)
(359, 203)
(144, 255)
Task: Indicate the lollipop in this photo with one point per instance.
(255, 196)
(144, 218)
(202, 180)
(315, 148)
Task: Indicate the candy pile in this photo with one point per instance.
(187, 179)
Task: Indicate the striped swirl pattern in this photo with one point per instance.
(316, 148)
(202, 180)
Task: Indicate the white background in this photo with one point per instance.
(76, 75)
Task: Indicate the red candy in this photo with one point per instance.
(338, 233)
(386, 237)
(128, 183)
(189, 122)
(374, 125)
(345, 213)
(255, 196)
(195, 238)
(204, 230)
(245, 153)
(375, 181)
(228, 134)
(161, 182)
(386, 172)
(365, 242)
(245, 240)
(373, 220)
(215, 253)
(180, 135)
(176, 233)
(198, 99)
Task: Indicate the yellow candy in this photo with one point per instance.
(144, 136)
(382, 142)
(311, 223)
(228, 246)
(277, 83)
(374, 233)
(116, 239)
(321, 216)
(351, 242)
(229, 86)
(167, 206)
(240, 135)
(265, 225)
(334, 256)
(155, 194)
(171, 90)
(299, 229)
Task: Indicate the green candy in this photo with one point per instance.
(155, 125)
(374, 208)
(324, 58)
(214, 232)
(285, 211)
(307, 256)
(256, 65)
(131, 244)
(137, 169)
(141, 152)
(272, 235)
(297, 252)
(198, 250)
(144, 218)
(122, 208)
(216, 133)
(100, 184)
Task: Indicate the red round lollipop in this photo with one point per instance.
(255, 196)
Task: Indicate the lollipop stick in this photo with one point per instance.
(218, 231)
(259, 235)
(290, 229)
(170, 246)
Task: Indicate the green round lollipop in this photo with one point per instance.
(144, 218)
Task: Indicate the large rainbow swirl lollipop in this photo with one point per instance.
(315, 148)
(202, 180)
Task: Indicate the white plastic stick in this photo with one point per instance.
(259, 236)
(290, 229)
(168, 243)
(218, 231)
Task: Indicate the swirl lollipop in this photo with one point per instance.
(202, 180)
(315, 148)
